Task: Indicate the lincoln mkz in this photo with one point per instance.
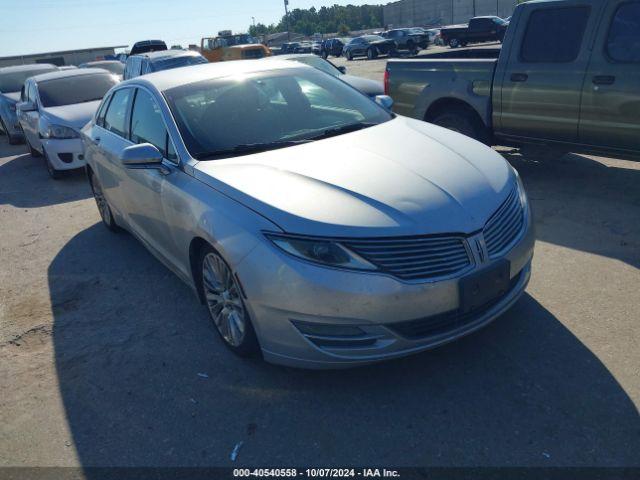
(317, 227)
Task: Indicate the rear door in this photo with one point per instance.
(610, 115)
(542, 80)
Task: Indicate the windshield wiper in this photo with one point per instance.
(350, 127)
(247, 148)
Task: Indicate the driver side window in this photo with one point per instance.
(147, 125)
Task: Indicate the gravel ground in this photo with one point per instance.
(107, 359)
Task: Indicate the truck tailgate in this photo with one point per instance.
(415, 84)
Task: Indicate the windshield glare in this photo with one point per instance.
(76, 89)
(12, 82)
(267, 107)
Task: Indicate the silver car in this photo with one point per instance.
(316, 226)
(54, 107)
(11, 82)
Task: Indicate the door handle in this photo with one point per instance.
(604, 80)
(519, 77)
(96, 141)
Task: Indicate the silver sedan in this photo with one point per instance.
(318, 228)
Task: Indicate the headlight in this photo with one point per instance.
(521, 193)
(61, 132)
(324, 252)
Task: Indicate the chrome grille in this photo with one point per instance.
(415, 258)
(505, 225)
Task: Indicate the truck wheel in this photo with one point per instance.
(462, 121)
(454, 43)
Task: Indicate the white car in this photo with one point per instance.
(54, 107)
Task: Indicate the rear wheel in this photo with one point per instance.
(454, 43)
(463, 121)
(349, 55)
(325, 54)
(413, 49)
(372, 53)
(223, 297)
(103, 206)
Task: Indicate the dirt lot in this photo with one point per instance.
(107, 359)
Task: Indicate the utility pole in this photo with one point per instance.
(253, 19)
(286, 16)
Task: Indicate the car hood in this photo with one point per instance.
(369, 87)
(75, 115)
(12, 97)
(403, 177)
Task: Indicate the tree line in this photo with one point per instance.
(337, 18)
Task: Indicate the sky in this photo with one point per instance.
(36, 26)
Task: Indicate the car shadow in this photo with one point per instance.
(145, 381)
(25, 182)
(582, 203)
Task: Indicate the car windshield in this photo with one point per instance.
(320, 64)
(12, 82)
(236, 115)
(416, 31)
(75, 89)
(176, 62)
(499, 21)
(373, 38)
(116, 68)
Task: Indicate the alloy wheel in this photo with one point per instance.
(101, 202)
(223, 300)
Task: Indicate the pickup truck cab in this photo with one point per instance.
(479, 29)
(567, 76)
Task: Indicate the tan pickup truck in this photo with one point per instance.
(567, 76)
(227, 46)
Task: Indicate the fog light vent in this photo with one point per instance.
(335, 336)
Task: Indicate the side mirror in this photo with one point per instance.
(26, 107)
(384, 101)
(143, 155)
(342, 69)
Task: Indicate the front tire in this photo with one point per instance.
(103, 206)
(349, 55)
(53, 173)
(454, 43)
(371, 53)
(223, 298)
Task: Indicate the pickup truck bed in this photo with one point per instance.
(567, 76)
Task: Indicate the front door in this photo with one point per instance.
(542, 81)
(143, 187)
(610, 115)
(30, 120)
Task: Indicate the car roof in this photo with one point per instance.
(142, 43)
(162, 54)
(291, 56)
(43, 77)
(167, 79)
(22, 68)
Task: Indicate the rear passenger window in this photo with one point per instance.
(115, 118)
(554, 35)
(623, 42)
(147, 125)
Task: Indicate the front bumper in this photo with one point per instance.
(65, 154)
(281, 290)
